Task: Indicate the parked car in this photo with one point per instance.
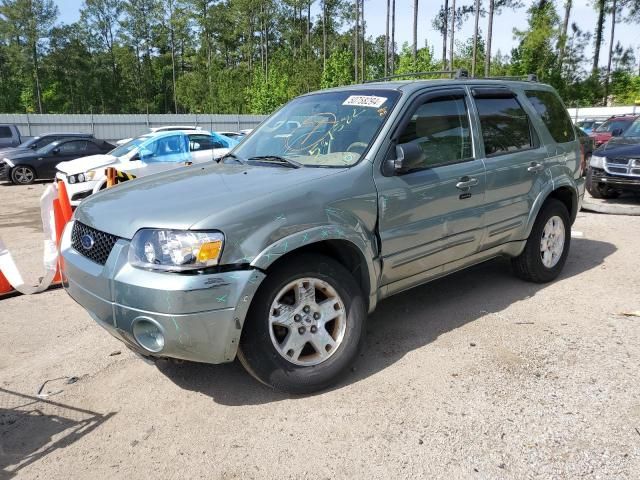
(24, 167)
(589, 125)
(613, 127)
(235, 135)
(165, 128)
(277, 253)
(34, 143)
(150, 153)
(10, 136)
(614, 168)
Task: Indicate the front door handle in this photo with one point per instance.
(466, 182)
(535, 167)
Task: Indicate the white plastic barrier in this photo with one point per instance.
(50, 257)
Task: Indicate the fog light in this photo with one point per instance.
(148, 334)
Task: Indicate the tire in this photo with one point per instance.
(23, 175)
(529, 265)
(263, 349)
(598, 191)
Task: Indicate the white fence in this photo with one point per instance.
(601, 113)
(115, 127)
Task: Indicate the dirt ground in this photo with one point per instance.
(478, 375)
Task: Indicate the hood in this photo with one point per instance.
(19, 153)
(84, 164)
(180, 198)
(619, 150)
(5, 152)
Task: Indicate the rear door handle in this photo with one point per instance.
(466, 182)
(535, 167)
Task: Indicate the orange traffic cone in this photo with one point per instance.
(63, 197)
(5, 286)
(58, 216)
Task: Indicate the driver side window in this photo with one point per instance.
(440, 127)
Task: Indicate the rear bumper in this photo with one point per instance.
(200, 316)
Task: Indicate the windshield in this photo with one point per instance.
(127, 147)
(29, 142)
(633, 130)
(330, 129)
(611, 125)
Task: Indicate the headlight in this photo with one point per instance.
(596, 161)
(81, 177)
(8, 162)
(636, 162)
(175, 250)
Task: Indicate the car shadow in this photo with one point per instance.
(400, 324)
(33, 427)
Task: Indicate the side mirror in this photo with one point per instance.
(616, 132)
(55, 151)
(33, 146)
(409, 156)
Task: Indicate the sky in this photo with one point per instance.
(375, 16)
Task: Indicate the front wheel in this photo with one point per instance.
(23, 175)
(305, 325)
(546, 250)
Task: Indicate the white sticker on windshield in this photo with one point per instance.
(365, 101)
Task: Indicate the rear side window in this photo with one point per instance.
(553, 114)
(5, 132)
(505, 125)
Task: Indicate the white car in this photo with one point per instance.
(147, 154)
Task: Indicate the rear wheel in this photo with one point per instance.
(23, 175)
(305, 325)
(598, 190)
(548, 245)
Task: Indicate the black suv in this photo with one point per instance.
(615, 167)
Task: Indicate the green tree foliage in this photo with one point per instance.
(242, 56)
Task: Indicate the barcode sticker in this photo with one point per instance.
(365, 101)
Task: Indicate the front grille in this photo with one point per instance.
(618, 161)
(617, 169)
(102, 242)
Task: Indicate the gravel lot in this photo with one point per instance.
(478, 375)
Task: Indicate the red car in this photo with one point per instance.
(613, 127)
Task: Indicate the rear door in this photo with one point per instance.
(558, 132)
(432, 215)
(514, 158)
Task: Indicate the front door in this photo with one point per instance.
(432, 215)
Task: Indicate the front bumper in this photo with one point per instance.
(617, 181)
(200, 315)
(77, 191)
(5, 172)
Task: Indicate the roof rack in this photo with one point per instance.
(460, 73)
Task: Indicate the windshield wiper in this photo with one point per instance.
(234, 156)
(276, 159)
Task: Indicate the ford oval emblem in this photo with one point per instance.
(87, 241)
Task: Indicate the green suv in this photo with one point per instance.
(277, 253)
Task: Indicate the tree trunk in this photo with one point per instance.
(173, 56)
(487, 58)
(475, 40)
(309, 22)
(36, 74)
(562, 41)
(393, 36)
(452, 33)
(415, 32)
(324, 35)
(356, 35)
(362, 44)
(445, 24)
(598, 40)
(613, 30)
(386, 41)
